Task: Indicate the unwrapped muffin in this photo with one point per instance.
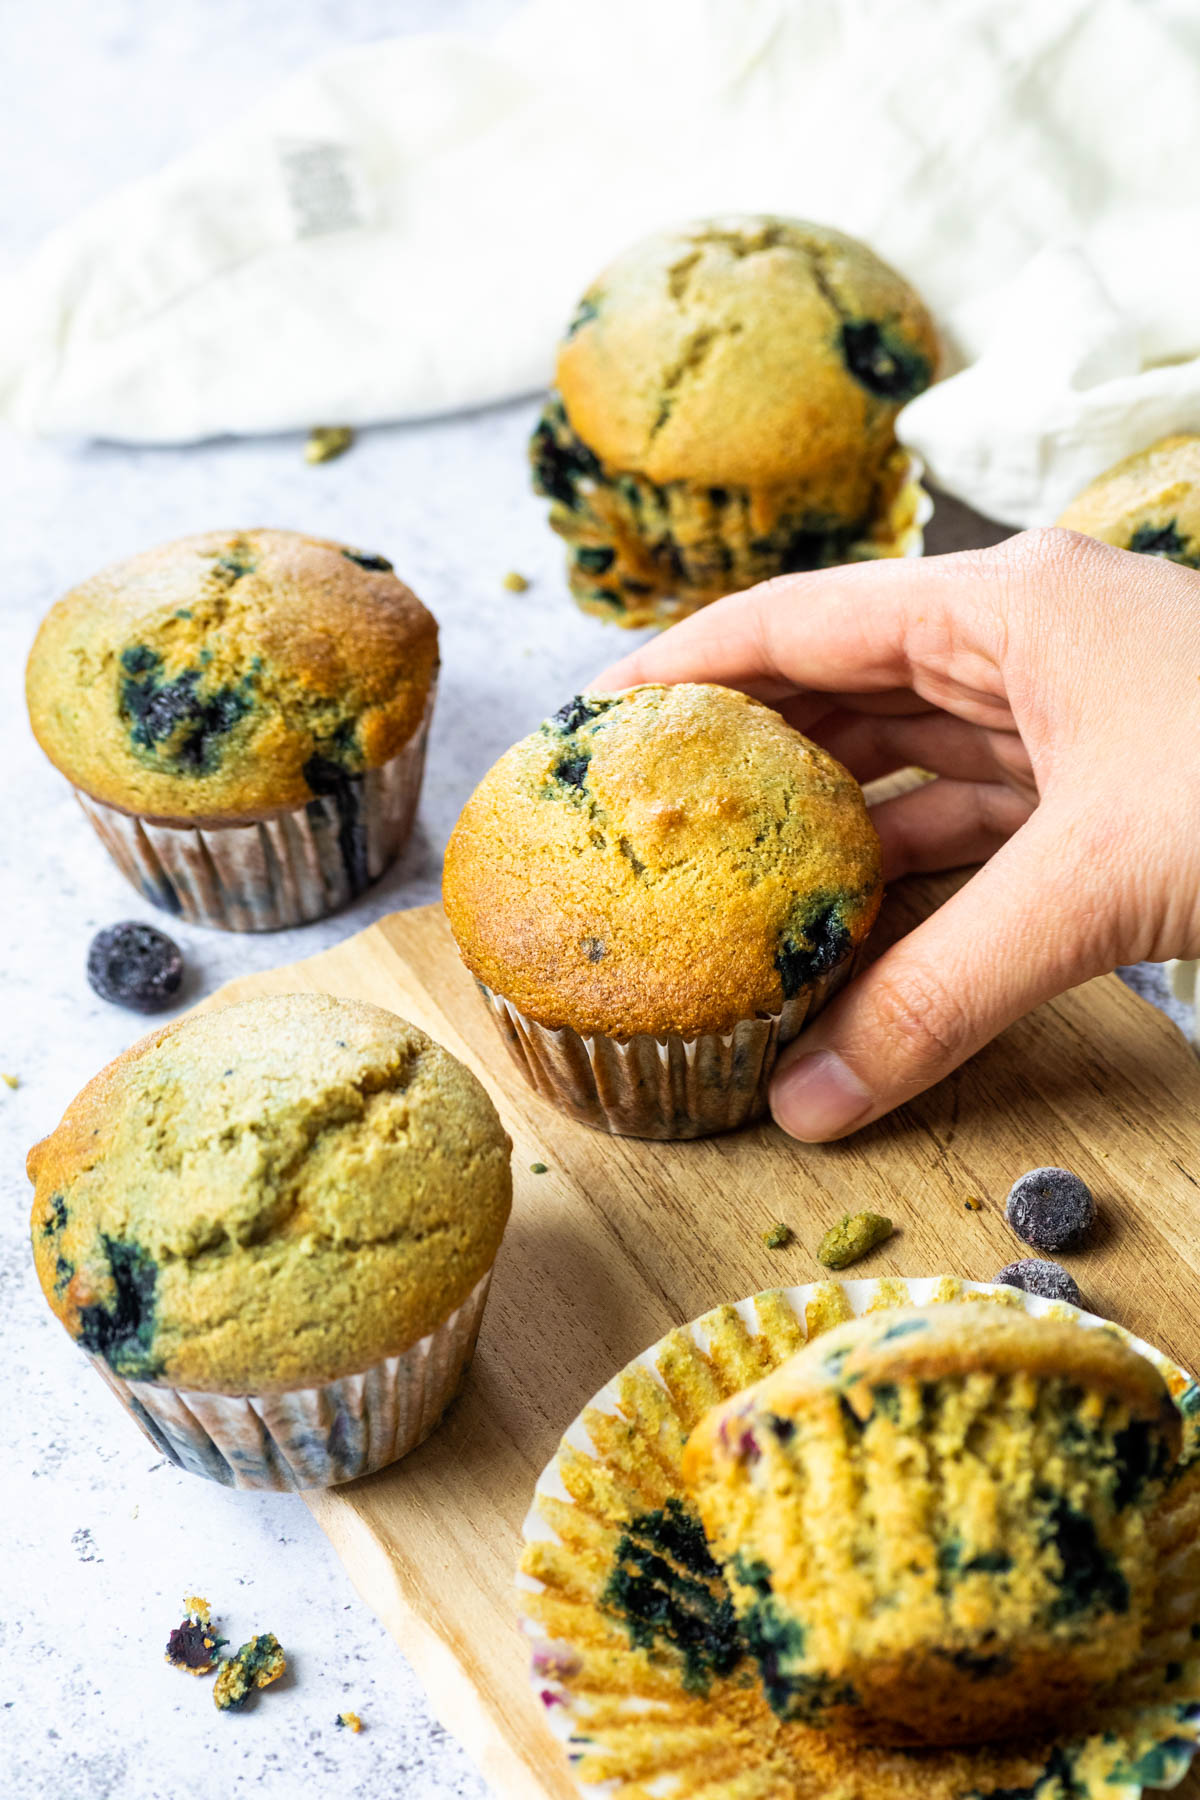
(655, 890)
(934, 1522)
(724, 410)
(272, 1229)
(1149, 502)
(243, 716)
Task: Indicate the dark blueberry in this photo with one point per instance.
(577, 712)
(811, 949)
(57, 1218)
(594, 949)
(1047, 1279)
(597, 559)
(331, 781)
(572, 771)
(882, 361)
(1089, 1578)
(980, 1668)
(667, 1591)
(1050, 1208)
(124, 1333)
(236, 562)
(718, 495)
(139, 659)
(135, 965)
(1139, 1457)
(367, 560)
(64, 1269)
(584, 313)
(560, 460)
(173, 715)
(1163, 540)
(194, 1645)
(783, 1429)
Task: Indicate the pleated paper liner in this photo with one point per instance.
(641, 1718)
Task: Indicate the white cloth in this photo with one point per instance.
(404, 228)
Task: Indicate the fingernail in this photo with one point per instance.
(818, 1096)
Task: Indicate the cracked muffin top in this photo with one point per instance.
(269, 1196)
(666, 860)
(1150, 502)
(230, 675)
(749, 350)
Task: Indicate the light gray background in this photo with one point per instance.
(99, 1538)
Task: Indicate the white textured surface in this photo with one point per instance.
(99, 1539)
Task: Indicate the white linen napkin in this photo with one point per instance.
(403, 229)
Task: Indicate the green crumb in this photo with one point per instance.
(851, 1238)
(778, 1236)
(538, 1169)
(326, 442)
(972, 1204)
(348, 1722)
(11, 1081)
(256, 1665)
(515, 583)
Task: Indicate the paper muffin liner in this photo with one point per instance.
(652, 1087)
(296, 865)
(311, 1437)
(635, 1720)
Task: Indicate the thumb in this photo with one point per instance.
(1030, 924)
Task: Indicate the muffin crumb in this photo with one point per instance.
(515, 583)
(852, 1238)
(327, 442)
(10, 1081)
(778, 1236)
(973, 1203)
(538, 1168)
(193, 1644)
(348, 1721)
(256, 1665)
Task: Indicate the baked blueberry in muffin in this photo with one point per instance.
(723, 412)
(1149, 503)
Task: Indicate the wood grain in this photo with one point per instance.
(621, 1240)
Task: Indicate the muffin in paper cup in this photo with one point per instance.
(288, 868)
(654, 892)
(652, 1087)
(272, 1228)
(637, 1658)
(243, 717)
(311, 1437)
(724, 412)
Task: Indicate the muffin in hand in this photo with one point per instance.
(934, 1521)
(243, 717)
(724, 411)
(654, 891)
(1149, 502)
(272, 1228)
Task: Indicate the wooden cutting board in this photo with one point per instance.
(621, 1240)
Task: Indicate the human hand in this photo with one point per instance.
(1052, 684)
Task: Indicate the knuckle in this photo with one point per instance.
(916, 1013)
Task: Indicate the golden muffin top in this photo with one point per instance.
(749, 350)
(670, 859)
(269, 1196)
(1150, 502)
(229, 675)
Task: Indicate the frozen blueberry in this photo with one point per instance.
(1050, 1208)
(135, 965)
(1048, 1279)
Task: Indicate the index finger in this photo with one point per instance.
(855, 629)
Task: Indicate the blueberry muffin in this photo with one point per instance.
(243, 717)
(272, 1228)
(654, 891)
(934, 1523)
(724, 406)
(1150, 502)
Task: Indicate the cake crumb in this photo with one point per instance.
(326, 442)
(778, 1236)
(852, 1237)
(12, 1081)
(194, 1645)
(256, 1665)
(515, 583)
(973, 1204)
(538, 1168)
(348, 1721)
